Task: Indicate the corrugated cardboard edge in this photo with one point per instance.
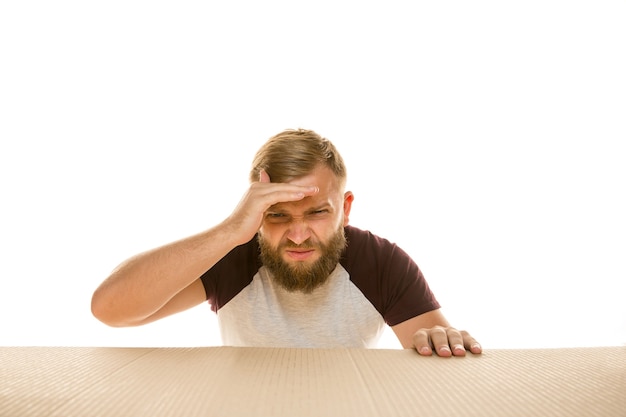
(309, 382)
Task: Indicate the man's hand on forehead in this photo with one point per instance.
(247, 217)
(300, 191)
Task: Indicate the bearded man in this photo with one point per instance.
(286, 269)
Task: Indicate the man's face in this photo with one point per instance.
(301, 242)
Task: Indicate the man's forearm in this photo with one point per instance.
(143, 284)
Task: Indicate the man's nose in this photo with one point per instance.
(298, 231)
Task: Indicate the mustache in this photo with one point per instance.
(307, 244)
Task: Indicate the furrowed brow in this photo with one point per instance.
(324, 206)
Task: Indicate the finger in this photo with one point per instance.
(298, 191)
(470, 343)
(267, 194)
(439, 340)
(421, 343)
(288, 192)
(455, 339)
(263, 176)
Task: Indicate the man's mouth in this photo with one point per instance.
(299, 254)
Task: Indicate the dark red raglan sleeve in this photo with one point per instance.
(387, 276)
(231, 274)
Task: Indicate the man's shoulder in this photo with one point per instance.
(248, 251)
(355, 234)
(366, 252)
(364, 240)
(369, 253)
(231, 274)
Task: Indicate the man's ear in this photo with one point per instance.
(263, 176)
(348, 198)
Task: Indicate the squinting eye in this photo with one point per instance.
(276, 217)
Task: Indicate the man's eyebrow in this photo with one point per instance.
(278, 208)
(320, 207)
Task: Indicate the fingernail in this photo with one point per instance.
(424, 350)
(458, 348)
(445, 349)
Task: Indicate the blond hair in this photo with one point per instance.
(294, 153)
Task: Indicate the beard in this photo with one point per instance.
(301, 276)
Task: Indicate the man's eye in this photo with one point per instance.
(318, 213)
(276, 217)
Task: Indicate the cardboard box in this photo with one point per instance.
(227, 381)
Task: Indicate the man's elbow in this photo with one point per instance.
(103, 310)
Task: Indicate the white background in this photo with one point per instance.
(485, 137)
